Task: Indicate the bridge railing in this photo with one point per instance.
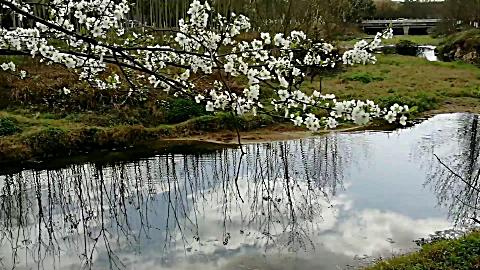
(403, 21)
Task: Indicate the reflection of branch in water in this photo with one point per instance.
(468, 184)
(273, 196)
(455, 175)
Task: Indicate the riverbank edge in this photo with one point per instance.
(202, 134)
(461, 253)
(54, 144)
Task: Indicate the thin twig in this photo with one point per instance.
(456, 174)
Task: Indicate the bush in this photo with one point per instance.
(459, 254)
(8, 127)
(364, 77)
(389, 49)
(407, 47)
(419, 103)
(49, 142)
(179, 110)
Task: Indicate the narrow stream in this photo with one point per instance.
(330, 202)
(423, 51)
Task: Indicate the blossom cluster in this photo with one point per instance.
(206, 44)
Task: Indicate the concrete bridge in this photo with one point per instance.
(405, 26)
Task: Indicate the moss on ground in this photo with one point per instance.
(459, 254)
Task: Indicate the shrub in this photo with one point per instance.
(49, 142)
(179, 110)
(388, 49)
(419, 103)
(459, 254)
(475, 92)
(407, 47)
(364, 77)
(8, 127)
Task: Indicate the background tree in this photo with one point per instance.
(465, 10)
(387, 9)
(361, 9)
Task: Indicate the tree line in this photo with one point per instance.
(312, 16)
(325, 18)
(463, 10)
(316, 17)
(387, 9)
(453, 12)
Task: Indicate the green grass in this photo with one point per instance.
(440, 86)
(418, 39)
(363, 77)
(460, 254)
(43, 136)
(468, 38)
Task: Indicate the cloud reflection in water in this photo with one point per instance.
(283, 205)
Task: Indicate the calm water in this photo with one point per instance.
(316, 203)
(428, 52)
(424, 51)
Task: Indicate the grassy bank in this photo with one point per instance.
(40, 136)
(460, 254)
(34, 131)
(463, 46)
(431, 87)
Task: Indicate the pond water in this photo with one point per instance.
(428, 52)
(315, 203)
(424, 51)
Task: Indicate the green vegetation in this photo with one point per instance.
(388, 9)
(460, 254)
(363, 77)
(419, 103)
(427, 86)
(463, 46)
(8, 127)
(87, 120)
(470, 38)
(179, 110)
(46, 137)
(406, 47)
(417, 39)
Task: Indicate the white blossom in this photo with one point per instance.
(199, 98)
(197, 50)
(390, 117)
(209, 107)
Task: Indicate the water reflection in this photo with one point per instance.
(455, 175)
(287, 205)
(428, 52)
(268, 198)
